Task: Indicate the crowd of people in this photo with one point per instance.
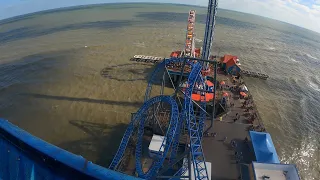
(249, 110)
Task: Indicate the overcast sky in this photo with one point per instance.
(305, 13)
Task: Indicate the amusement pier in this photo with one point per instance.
(207, 129)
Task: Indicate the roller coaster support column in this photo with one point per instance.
(209, 30)
(189, 165)
(214, 97)
(180, 78)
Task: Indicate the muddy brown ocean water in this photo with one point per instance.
(65, 76)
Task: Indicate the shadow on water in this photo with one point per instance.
(34, 68)
(17, 19)
(88, 100)
(102, 143)
(32, 32)
(70, 9)
(141, 73)
(201, 18)
(34, 15)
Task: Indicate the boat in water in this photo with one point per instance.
(209, 128)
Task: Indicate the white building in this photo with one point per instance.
(263, 171)
(155, 145)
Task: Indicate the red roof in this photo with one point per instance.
(209, 83)
(197, 97)
(227, 58)
(175, 53)
(230, 63)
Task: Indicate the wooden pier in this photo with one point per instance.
(176, 70)
(254, 74)
(227, 159)
(225, 164)
(147, 59)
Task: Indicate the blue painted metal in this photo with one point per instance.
(263, 147)
(181, 171)
(188, 116)
(23, 156)
(18, 164)
(139, 120)
(203, 115)
(175, 145)
(233, 70)
(209, 29)
(155, 74)
(186, 74)
(166, 144)
(160, 67)
(203, 104)
(198, 160)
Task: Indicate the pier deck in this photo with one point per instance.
(217, 143)
(221, 154)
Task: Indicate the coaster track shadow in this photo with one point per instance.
(87, 100)
(126, 69)
(101, 144)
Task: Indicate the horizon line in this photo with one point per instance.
(66, 8)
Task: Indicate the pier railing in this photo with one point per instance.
(255, 108)
(254, 74)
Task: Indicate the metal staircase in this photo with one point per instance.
(198, 160)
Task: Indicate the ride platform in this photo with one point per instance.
(216, 142)
(219, 152)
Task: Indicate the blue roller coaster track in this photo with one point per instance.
(24, 156)
(177, 119)
(160, 68)
(35, 158)
(194, 127)
(187, 117)
(139, 120)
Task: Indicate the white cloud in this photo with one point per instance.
(291, 11)
(316, 7)
(299, 6)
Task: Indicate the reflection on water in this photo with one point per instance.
(65, 76)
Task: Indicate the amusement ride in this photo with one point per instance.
(171, 126)
(188, 72)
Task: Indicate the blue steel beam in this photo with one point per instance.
(203, 114)
(139, 120)
(176, 141)
(198, 160)
(160, 68)
(18, 162)
(166, 144)
(209, 29)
